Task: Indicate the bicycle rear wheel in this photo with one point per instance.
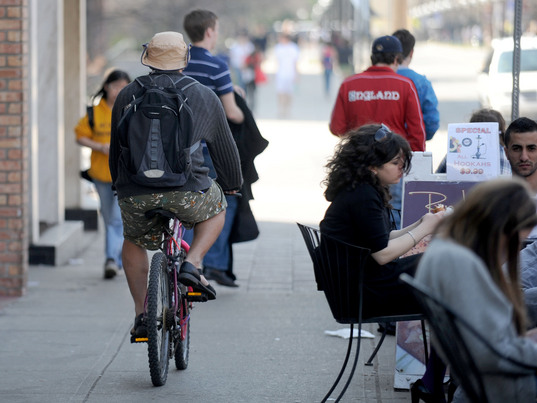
(158, 305)
(182, 341)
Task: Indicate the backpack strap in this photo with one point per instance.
(91, 116)
(190, 82)
(145, 81)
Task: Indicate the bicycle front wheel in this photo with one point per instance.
(158, 330)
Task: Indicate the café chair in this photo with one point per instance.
(339, 273)
(446, 325)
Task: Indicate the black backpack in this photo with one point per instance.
(155, 133)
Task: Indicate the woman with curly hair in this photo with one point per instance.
(365, 164)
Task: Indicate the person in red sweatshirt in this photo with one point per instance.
(380, 95)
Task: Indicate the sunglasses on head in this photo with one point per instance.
(382, 133)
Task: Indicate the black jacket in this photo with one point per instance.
(250, 144)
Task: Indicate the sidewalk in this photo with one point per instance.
(67, 339)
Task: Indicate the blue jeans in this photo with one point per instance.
(218, 257)
(112, 221)
(327, 78)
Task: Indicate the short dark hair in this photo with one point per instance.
(520, 125)
(386, 58)
(407, 41)
(197, 22)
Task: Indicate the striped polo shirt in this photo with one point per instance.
(209, 70)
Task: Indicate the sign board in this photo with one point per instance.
(473, 151)
(419, 198)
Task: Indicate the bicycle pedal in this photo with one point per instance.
(135, 339)
(196, 296)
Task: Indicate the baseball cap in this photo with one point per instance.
(166, 51)
(387, 44)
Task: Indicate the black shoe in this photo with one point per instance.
(418, 392)
(140, 329)
(220, 277)
(390, 328)
(189, 275)
(451, 389)
(110, 269)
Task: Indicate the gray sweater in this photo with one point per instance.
(460, 278)
(210, 124)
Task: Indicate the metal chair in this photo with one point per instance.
(339, 272)
(445, 325)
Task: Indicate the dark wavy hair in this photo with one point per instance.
(357, 153)
(492, 209)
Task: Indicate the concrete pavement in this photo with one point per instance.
(67, 339)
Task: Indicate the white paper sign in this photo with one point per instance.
(473, 151)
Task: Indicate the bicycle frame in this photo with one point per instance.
(175, 245)
(167, 302)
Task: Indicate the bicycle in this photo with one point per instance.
(168, 303)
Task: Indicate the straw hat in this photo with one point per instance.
(166, 51)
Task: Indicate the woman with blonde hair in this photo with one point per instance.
(473, 265)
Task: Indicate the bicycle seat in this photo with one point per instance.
(159, 212)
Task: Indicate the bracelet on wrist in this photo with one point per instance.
(412, 236)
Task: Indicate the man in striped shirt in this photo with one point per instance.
(213, 72)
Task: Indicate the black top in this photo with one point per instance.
(359, 217)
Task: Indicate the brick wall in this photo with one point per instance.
(14, 147)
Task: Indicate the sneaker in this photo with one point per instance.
(220, 277)
(110, 269)
(139, 329)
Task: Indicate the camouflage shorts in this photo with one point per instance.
(189, 207)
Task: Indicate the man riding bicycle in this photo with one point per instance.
(198, 201)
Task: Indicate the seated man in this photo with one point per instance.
(521, 150)
(199, 200)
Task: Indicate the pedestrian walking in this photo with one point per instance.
(426, 94)
(202, 27)
(286, 52)
(93, 131)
